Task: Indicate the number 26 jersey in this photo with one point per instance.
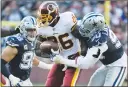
(61, 33)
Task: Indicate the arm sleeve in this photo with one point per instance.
(75, 32)
(92, 56)
(4, 69)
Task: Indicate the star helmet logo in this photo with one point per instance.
(94, 24)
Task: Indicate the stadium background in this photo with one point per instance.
(115, 13)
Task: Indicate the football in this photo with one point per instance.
(46, 46)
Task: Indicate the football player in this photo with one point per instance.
(103, 46)
(57, 27)
(19, 54)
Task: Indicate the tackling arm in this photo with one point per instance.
(75, 31)
(83, 44)
(92, 56)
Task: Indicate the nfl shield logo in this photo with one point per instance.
(25, 47)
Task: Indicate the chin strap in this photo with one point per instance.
(31, 39)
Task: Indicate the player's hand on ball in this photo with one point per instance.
(55, 52)
(14, 80)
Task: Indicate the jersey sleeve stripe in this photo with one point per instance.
(12, 44)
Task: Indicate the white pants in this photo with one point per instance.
(27, 82)
(108, 76)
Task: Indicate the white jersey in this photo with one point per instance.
(61, 33)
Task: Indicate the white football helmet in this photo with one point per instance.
(90, 23)
(28, 28)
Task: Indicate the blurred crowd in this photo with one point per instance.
(13, 10)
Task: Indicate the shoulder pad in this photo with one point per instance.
(68, 13)
(13, 41)
(99, 38)
(70, 17)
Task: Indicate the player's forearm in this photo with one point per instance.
(80, 62)
(4, 70)
(44, 65)
(86, 62)
(41, 64)
(92, 56)
(68, 62)
(77, 63)
(75, 32)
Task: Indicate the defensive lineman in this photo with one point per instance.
(103, 46)
(19, 53)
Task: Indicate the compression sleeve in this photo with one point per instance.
(76, 33)
(4, 69)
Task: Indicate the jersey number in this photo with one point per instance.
(66, 44)
(26, 60)
(115, 40)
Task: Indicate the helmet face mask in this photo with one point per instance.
(47, 13)
(85, 32)
(44, 19)
(91, 23)
(28, 28)
(31, 34)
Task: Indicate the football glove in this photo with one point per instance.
(56, 57)
(14, 80)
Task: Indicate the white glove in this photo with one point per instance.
(25, 83)
(57, 59)
(14, 80)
